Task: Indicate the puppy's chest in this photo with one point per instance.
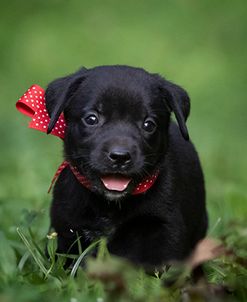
(96, 227)
(104, 227)
(98, 220)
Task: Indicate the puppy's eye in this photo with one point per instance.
(91, 120)
(149, 125)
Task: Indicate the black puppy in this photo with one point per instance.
(118, 135)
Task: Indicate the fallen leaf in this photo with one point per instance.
(205, 250)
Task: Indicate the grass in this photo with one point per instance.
(199, 44)
(26, 270)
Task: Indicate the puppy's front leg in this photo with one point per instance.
(69, 245)
(149, 241)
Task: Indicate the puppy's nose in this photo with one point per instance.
(120, 156)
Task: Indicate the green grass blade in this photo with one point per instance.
(79, 260)
(32, 250)
(35, 244)
(23, 260)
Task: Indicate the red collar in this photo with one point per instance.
(140, 188)
(32, 104)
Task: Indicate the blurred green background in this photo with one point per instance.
(201, 45)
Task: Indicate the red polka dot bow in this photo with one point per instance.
(32, 104)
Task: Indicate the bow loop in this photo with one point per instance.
(32, 104)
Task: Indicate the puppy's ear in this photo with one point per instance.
(177, 101)
(58, 95)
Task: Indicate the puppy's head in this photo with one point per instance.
(117, 123)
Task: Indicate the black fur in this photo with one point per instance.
(153, 228)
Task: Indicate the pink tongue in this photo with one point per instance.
(115, 182)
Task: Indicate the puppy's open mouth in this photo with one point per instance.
(115, 182)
